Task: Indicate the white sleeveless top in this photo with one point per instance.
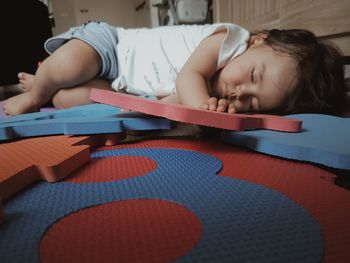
(150, 59)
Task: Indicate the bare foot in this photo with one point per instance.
(19, 104)
(26, 81)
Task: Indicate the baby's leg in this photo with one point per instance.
(79, 95)
(70, 65)
(68, 97)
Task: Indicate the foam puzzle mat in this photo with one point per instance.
(176, 112)
(324, 140)
(24, 162)
(182, 201)
(79, 120)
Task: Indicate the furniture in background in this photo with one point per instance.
(176, 12)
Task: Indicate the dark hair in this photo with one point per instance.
(320, 84)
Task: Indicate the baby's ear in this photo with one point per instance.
(257, 39)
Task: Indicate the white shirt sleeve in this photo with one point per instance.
(234, 44)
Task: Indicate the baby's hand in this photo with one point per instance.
(222, 105)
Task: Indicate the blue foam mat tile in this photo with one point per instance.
(324, 140)
(80, 120)
(78, 111)
(240, 221)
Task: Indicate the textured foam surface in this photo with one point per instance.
(180, 113)
(114, 168)
(45, 158)
(323, 140)
(80, 120)
(306, 184)
(240, 221)
(161, 232)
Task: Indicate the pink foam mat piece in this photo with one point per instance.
(176, 112)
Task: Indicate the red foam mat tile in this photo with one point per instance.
(114, 168)
(44, 158)
(161, 232)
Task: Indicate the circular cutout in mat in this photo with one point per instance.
(114, 168)
(124, 231)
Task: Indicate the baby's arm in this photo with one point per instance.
(171, 99)
(192, 81)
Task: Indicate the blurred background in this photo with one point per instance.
(27, 24)
(132, 13)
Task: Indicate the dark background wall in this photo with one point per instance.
(25, 26)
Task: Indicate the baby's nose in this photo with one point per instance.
(243, 92)
(240, 92)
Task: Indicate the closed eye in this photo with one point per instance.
(252, 75)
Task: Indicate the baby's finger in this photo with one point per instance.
(231, 108)
(213, 103)
(222, 105)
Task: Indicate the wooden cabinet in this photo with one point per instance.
(327, 19)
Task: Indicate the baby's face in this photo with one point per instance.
(259, 80)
